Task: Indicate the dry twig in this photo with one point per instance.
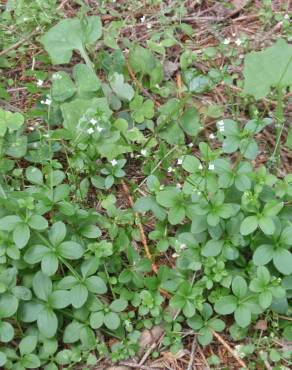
(229, 349)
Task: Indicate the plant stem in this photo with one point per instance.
(280, 123)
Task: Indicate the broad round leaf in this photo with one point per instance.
(21, 235)
(249, 225)
(96, 319)
(96, 285)
(6, 332)
(42, 286)
(70, 250)
(226, 305)
(283, 261)
(111, 320)
(47, 322)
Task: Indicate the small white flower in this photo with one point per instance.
(175, 255)
(190, 145)
(48, 101)
(200, 166)
(212, 136)
(178, 186)
(144, 152)
(286, 16)
(170, 169)
(149, 26)
(180, 161)
(182, 247)
(221, 129)
(99, 129)
(161, 187)
(238, 42)
(211, 167)
(221, 123)
(226, 41)
(90, 131)
(40, 83)
(114, 162)
(93, 121)
(143, 19)
(56, 76)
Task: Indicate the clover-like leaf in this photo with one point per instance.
(268, 68)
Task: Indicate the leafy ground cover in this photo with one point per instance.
(145, 185)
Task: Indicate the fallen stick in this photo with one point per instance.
(229, 349)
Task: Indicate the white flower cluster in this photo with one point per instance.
(221, 126)
(47, 101)
(228, 40)
(95, 124)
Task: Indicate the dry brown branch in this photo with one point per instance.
(229, 349)
(139, 223)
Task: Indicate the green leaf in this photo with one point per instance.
(212, 248)
(195, 322)
(122, 89)
(79, 294)
(265, 299)
(190, 163)
(167, 197)
(249, 225)
(10, 121)
(8, 223)
(242, 316)
(141, 60)
(6, 332)
(267, 225)
(3, 358)
(205, 336)
(239, 286)
(283, 261)
(91, 231)
(38, 222)
(263, 254)
(63, 87)
(50, 264)
(71, 34)
(118, 305)
(60, 299)
(190, 122)
(21, 235)
(30, 361)
(268, 68)
(96, 319)
(57, 233)
(96, 285)
(47, 322)
(72, 332)
(42, 286)
(70, 250)
(34, 175)
(28, 344)
(35, 253)
(286, 236)
(78, 111)
(112, 321)
(216, 324)
(8, 305)
(226, 305)
(86, 79)
(176, 214)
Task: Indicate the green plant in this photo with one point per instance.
(118, 216)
